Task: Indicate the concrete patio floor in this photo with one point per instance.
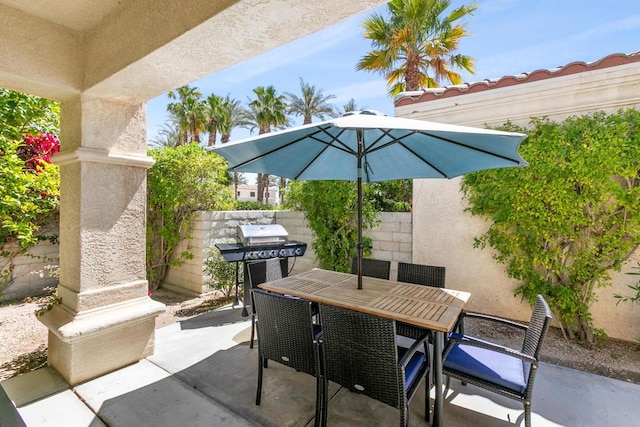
(203, 373)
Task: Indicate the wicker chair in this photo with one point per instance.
(372, 267)
(287, 335)
(360, 353)
(500, 369)
(420, 274)
(258, 272)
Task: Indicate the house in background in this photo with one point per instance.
(249, 193)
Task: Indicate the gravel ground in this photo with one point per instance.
(23, 339)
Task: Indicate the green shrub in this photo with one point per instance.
(184, 179)
(569, 218)
(255, 206)
(221, 273)
(330, 208)
(30, 184)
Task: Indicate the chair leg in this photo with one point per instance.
(427, 400)
(404, 415)
(253, 329)
(527, 414)
(259, 389)
(427, 377)
(319, 401)
(325, 400)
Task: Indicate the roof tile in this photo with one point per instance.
(612, 60)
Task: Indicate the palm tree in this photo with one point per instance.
(188, 112)
(214, 112)
(313, 103)
(267, 109)
(348, 107)
(417, 46)
(168, 135)
(233, 116)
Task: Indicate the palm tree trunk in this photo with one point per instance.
(283, 184)
(260, 183)
(235, 186)
(265, 177)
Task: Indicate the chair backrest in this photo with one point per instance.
(429, 275)
(372, 267)
(360, 353)
(286, 331)
(266, 270)
(538, 327)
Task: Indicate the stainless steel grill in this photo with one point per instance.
(265, 234)
(257, 242)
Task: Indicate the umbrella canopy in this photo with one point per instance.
(372, 147)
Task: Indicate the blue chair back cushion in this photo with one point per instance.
(413, 367)
(506, 371)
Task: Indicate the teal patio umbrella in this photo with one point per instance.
(370, 146)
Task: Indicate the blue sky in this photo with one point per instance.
(507, 37)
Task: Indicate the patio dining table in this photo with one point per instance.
(427, 307)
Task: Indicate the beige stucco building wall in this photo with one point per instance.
(443, 232)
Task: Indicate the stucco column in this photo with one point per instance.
(106, 319)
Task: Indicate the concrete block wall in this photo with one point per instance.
(391, 240)
(206, 229)
(32, 271)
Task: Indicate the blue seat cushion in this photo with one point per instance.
(413, 366)
(498, 368)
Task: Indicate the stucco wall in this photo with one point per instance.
(443, 231)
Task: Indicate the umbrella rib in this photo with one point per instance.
(451, 141)
(479, 150)
(312, 136)
(275, 150)
(367, 167)
(398, 141)
(423, 159)
(328, 144)
(312, 160)
(343, 147)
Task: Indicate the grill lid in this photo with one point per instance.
(251, 235)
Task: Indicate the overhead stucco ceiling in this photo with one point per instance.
(79, 15)
(134, 50)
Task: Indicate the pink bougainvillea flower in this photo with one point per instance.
(37, 149)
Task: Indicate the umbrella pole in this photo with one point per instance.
(360, 244)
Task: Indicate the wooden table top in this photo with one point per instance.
(424, 306)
